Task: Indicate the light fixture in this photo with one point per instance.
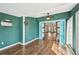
(26, 21)
(6, 22)
(48, 16)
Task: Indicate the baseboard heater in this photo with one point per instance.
(69, 50)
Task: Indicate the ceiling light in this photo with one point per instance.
(48, 16)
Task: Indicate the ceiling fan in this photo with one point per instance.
(48, 17)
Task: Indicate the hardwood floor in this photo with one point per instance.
(44, 47)
(38, 47)
(11, 50)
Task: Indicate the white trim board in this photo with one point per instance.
(29, 41)
(9, 46)
(18, 43)
(23, 30)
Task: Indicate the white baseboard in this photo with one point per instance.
(9, 46)
(18, 43)
(29, 41)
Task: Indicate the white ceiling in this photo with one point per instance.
(35, 9)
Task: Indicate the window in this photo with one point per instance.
(70, 31)
(77, 33)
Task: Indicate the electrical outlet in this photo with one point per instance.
(2, 43)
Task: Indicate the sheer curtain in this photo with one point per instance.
(70, 31)
(77, 32)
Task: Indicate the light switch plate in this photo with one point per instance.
(2, 43)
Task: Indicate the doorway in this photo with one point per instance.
(55, 30)
(51, 31)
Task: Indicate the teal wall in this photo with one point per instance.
(62, 32)
(14, 34)
(21, 29)
(74, 33)
(9, 35)
(31, 29)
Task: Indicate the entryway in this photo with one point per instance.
(51, 31)
(52, 34)
(54, 30)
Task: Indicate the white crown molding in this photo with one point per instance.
(52, 10)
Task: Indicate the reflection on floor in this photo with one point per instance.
(38, 47)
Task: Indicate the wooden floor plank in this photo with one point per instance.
(38, 47)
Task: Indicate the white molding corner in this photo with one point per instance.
(18, 43)
(9, 46)
(29, 41)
